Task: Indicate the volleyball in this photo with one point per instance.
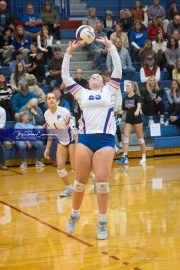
(85, 34)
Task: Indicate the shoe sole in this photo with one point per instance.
(122, 162)
(74, 228)
(61, 195)
(100, 238)
(39, 165)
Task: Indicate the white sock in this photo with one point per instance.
(143, 158)
(74, 212)
(125, 154)
(102, 217)
(70, 186)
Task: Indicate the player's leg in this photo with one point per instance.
(127, 132)
(139, 133)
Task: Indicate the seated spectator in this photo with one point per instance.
(159, 47)
(2, 125)
(6, 48)
(173, 95)
(34, 88)
(16, 56)
(126, 20)
(8, 5)
(127, 70)
(37, 67)
(176, 35)
(21, 98)
(50, 17)
(32, 22)
(18, 77)
(152, 100)
(149, 70)
(91, 19)
(119, 34)
(176, 72)
(173, 11)
(140, 14)
(175, 116)
(59, 99)
(158, 11)
(5, 97)
(23, 123)
(98, 49)
(35, 114)
(54, 67)
(22, 42)
(146, 51)
(153, 28)
(67, 96)
(44, 42)
(137, 38)
(6, 17)
(172, 53)
(175, 25)
(109, 23)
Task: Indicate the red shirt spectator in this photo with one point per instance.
(154, 28)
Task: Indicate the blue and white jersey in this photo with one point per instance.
(61, 125)
(97, 107)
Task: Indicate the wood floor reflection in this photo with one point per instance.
(143, 220)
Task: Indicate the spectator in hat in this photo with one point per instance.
(6, 48)
(54, 67)
(173, 11)
(173, 26)
(6, 17)
(149, 70)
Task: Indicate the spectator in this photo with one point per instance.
(58, 93)
(5, 45)
(21, 98)
(172, 53)
(149, 70)
(23, 123)
(176, 72)
(109, 23)
(158, 11)
(34, 88)
(91, 19)
(127, 70)
(2, 125)
(16, 56)
(119, 34)
(54, 67)
(159, 47)
(126, 20)
(35, 114)
(67, 96)
(18, 77)
(176, 35)
(138, 13)
(8, 5)
(37, 67)
(173, 95)
(175, 25)
(153, 28)
(152, 100)
(6, 17)
(44, 42)
(32, 22)
(175, 116)
(50, 17)
(5, 97)
(137, 38)
(173, 11)
(98, 49)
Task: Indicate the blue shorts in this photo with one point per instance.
(96, 141)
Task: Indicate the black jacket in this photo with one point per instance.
(177, 111)
(170, 14)
(146, 98)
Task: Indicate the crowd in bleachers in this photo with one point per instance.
(148, 35)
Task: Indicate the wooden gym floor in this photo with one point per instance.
(143, 220)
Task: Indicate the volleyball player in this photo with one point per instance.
(96, 139)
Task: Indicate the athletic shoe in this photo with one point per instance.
(23, 165)
(143, 160)
(58, 42)
(161, 121)
(120, 145)
(118, 151)
(71, 225)
(67, 192)
(123, 160)
(94, 182)
(102, 233)
(151, 121)
(3, 167)
(166, 123)
(39, 164)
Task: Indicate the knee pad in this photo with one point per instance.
(141, 141)
(102, 187)
(62, 173)
(78, 186)
(126, 140)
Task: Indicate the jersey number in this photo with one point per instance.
(97, 97)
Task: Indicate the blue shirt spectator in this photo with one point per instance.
(24, 43)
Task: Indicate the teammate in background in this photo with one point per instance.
(132, 105)
(60, 123)
(96, 140)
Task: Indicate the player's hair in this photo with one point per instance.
(48, 95)
(149, 87)
(135, 88)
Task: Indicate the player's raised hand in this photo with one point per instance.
(72, 47)
(105, 41)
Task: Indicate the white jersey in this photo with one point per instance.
(97, 107)
(60, 124)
